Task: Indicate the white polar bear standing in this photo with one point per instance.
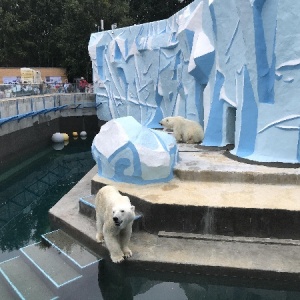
(184, 130)
(114, 219)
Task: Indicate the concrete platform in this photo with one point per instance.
(227, 227)
(219, 195)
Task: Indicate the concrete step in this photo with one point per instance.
(72, 251)
(24, 283)
(6, 291)
(87, 208)
(204, 165)
(57, 267)
(264, 212)
(193, 254)
(52, 267)
(219, 208)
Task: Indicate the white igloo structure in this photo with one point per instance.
(126, 151)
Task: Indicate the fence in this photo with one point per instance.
(21, 90)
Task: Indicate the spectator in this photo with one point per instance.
(82, 85)
(66, 86)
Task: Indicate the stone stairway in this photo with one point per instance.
(55, 268)
(212, 194)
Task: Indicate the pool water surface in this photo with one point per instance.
(30, 188)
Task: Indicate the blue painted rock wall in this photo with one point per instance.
(231, 65)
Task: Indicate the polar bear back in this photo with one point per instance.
(184, 130)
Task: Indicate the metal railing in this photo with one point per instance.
(21, 90)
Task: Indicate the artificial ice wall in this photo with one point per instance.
(231, 65)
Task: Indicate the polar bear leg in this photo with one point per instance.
(178, 134)
(113, 245)
(124, 241)
(189, 138)
(191, 135)
(99, 229)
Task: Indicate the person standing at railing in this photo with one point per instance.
(41, 87)
(66, 86)
(82, 85)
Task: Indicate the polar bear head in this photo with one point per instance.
(123, 214)
(169, 122)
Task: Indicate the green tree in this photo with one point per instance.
(44, 33)
(13, 28)
(44, 18)
(80, 19)
(28, 32)
(143, 11)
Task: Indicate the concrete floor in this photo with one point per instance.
(203, 183)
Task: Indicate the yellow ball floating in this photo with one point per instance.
(75, 134)
(66, 136)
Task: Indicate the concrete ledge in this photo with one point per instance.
(43, 108)
(276, 261)
(239, 239)
(216, 166)
(235, 209)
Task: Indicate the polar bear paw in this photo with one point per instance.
(127, 253)
(99, 238)
(117, 259)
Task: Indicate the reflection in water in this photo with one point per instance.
(30, 189)
(119, 282)
(113, 281)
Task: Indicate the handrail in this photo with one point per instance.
(31, 114)
(45, 111)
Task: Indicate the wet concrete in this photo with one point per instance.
(263, 243)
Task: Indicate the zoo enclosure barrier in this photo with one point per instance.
(19, 90)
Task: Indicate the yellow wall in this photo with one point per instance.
(7, 72)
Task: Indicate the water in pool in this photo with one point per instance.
(30, 188)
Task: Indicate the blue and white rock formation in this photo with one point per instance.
(231, 65)
(126, 151)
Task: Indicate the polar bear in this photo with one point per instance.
(184, 130)
(114, 219)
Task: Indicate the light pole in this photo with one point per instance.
(101, 26)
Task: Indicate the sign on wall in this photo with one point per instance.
(11, 79)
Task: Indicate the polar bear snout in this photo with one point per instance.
(117, 221)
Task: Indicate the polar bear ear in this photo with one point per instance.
(132, 208)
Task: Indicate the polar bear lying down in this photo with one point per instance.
(184, 130)
(114, 219)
